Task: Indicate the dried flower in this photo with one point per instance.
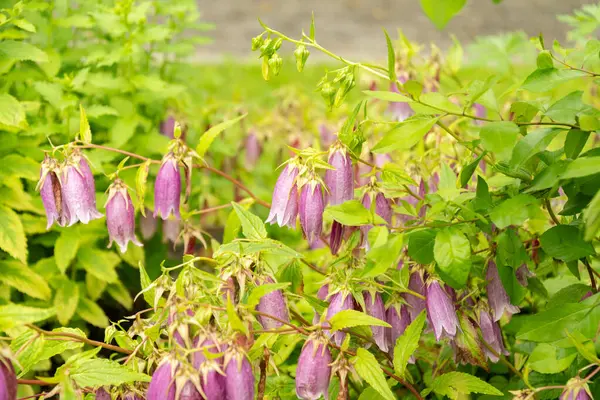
(374, 307)
(51, 193)
(440, 311)
(167, 188)
(162, 385)
(467, 346)
(490, 330)
(120, 216)
(239, 380)
(497, 297)
(79, 191)
(397, 316)
(313, 371)
(338, 302)
(284, 207)
(274, 304)
(311, 210)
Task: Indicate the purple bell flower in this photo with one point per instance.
(8, 380)
(167, 188)
(79, 191)
(398, 317)
(374, 307)
(162, 385)
(440, 311)
(311, 210)
(209, 343)
(253, 149)
(497, 296)
(167, 127)
(383, 208)
(212, 381)
(417, 285)
(148, 225)
(102, 394)
(326, 135)
(338, 302)
(120, 216)
(239, 379)
(340, 182)
(274, 304)
(576, 389)
(523, 274)
(50, 190)
(284, 207)
(314, 370)
(490, 330)
(170, 230)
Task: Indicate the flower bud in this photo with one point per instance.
(239, 380)
(120, 216)
(79, 191)
(51, 193)
(440, 311)
(497, 297)
(162, 385)
(253, 149)
(311, 210)
(490, 330)
(274, 304)
(284, 206)
(328, 92)
(167, 188)
(374, 307)
(275, 63)
(338, 302)
(576, 389)
(8, 380)
(313, 371)
(417, 285)
(397, 316)
(301, 53)
(257, 42)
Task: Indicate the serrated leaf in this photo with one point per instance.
(252, 226)
(12, 315)
(512, 211)
(407, 343)
(453, 384)
(66, 300)
(565, 242)
(393, 97)
(421, 244)
(92, 313)
(531, 145)
(12, 235)
(351, 318)
(543, 80)
(66, 247)
(552, 324)
(99, 263)
(25, 280)
(210, 135)
(391, 57)
(368, 368)
(452, 252)
(440, 12)
(103, 372)
(22, 51)
(544, 359)
(352, 213)
(499, 137)
(404, 135)
(85, 132)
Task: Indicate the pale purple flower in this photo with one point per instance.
(576, 389)
(523, 274)
(167, 188)
(208, 343)
(311, 210)
(101, 394)
(397, 316)
(314, 370)
(399, 110)
(239, 379)
(339, 181)
(383, 208)
(374, 307)
(162, 385)
(440, 311)
(51, 193)
(339, 301)
(326, 134)
(79, 192)
(148, 225)
(120, 216)
(8, 380)
(274, 304)
(490, 330)
(417, 285)
(211, 380)
(167, 127)
(170, 230)
(497, 296)
(284, 206)
(253, 149)
(189, 392)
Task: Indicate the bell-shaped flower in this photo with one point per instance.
(440, 311)
(314, 369)
(311, 210)
(339, 301)
(273, 303)
(79, 191)
(417, 285)
(398, 317)
(375, 308)
(51, 192)
(497, 296)
(167, 188)
(239, 379)
(340, 182)
(253, 149)
(284, 206)
(576, 389)
(490, 330)
(120, 216)
(162, 385)
(8, 380)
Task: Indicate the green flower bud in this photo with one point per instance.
(275, 63)
(266, 49)
(328, 92)
(257, 42)
(277, 44)
(265, 69)
(301, 53)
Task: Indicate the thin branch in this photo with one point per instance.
(590, 271)
(94, 343)
(313, 267)
(552, 215)
(34, 382)
(262, 383)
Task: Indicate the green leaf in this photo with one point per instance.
(258, 292)
(499, 138)
(12, 113)
(435, 103)
(19, 166)
(393, 97)
(591, 217)
(452, 252)
(513, 211)
(252, 226)
(12, 315)
(550, 325)
(350, 135)
(22, 51)
(92, 313)
(483, 199)
(85, 132)
(453, 384)
(421, 244)
(66, 247)
(25, 280)
(575, 142)
(394, 174)
(567, 108)
(565, 242)
(352, 213)
(510, 250)
(548, 177)
(532, 144)
(210, 135)
(383, 257)
(544, 359)
(440, 12)
(544, 60)
(589, 123)
(391, 57)
(12, 235)
(120, 293)
(468, 170)
(66, 300)
(99, 263)
(234, 320)
(405, 134)
(544, 80)
(103, 372)
(351, 318)
(368, 368)
(407, 343)
(583, 166)
(312, 27)
(145, 282)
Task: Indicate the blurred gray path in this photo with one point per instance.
(352, 28)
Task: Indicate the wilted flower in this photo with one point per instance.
(313, 371)
(8, 380)
(167, 188)
(440, 311)
(239, 380)
(497, 297)
(79, 191)
(274, 304)
(417, 285)
(374, 307)
(311, 210)
(339, 301)
(120, 216)
(490, 330)
(284, 207)
(397, 316)
(253, 149)
(162, 385)
(51, 193)
(576, 389)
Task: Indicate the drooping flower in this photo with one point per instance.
(167, 127)
(490, 330)
(383, 208)
(339, 301)
(466, 344)
(212, 381)
(311, 210)
(274, 304)
(397, 316)
(51, 193)
(253, 149)
(162, 385)
(374, 307)
(148, 225)
(440, 311)
(239, 380)
(120, 216)
(576, 389)
(170, 230)
(79, 191)
(101, 394)
(314, 370)
(167, 188)
(284, 206)
(339, 181)
(206, 342)
(417, 285)
(336, 236)
(8, 380)
(497, 296)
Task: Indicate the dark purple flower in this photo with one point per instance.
(148, 225)
(338, 302)
(284, 206)
(497, 297)
(162, 385)
(490, 330)
(8, 380)
(314, 370)
(239, 379)
(167, 188)
(120, 216)
(311, 210)
(79, 191)
(253, 149)
(51, 193)
(374, 307)
(440, 311)
(397, 316)
(417, 285)
(336, 236)
(274, 304)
